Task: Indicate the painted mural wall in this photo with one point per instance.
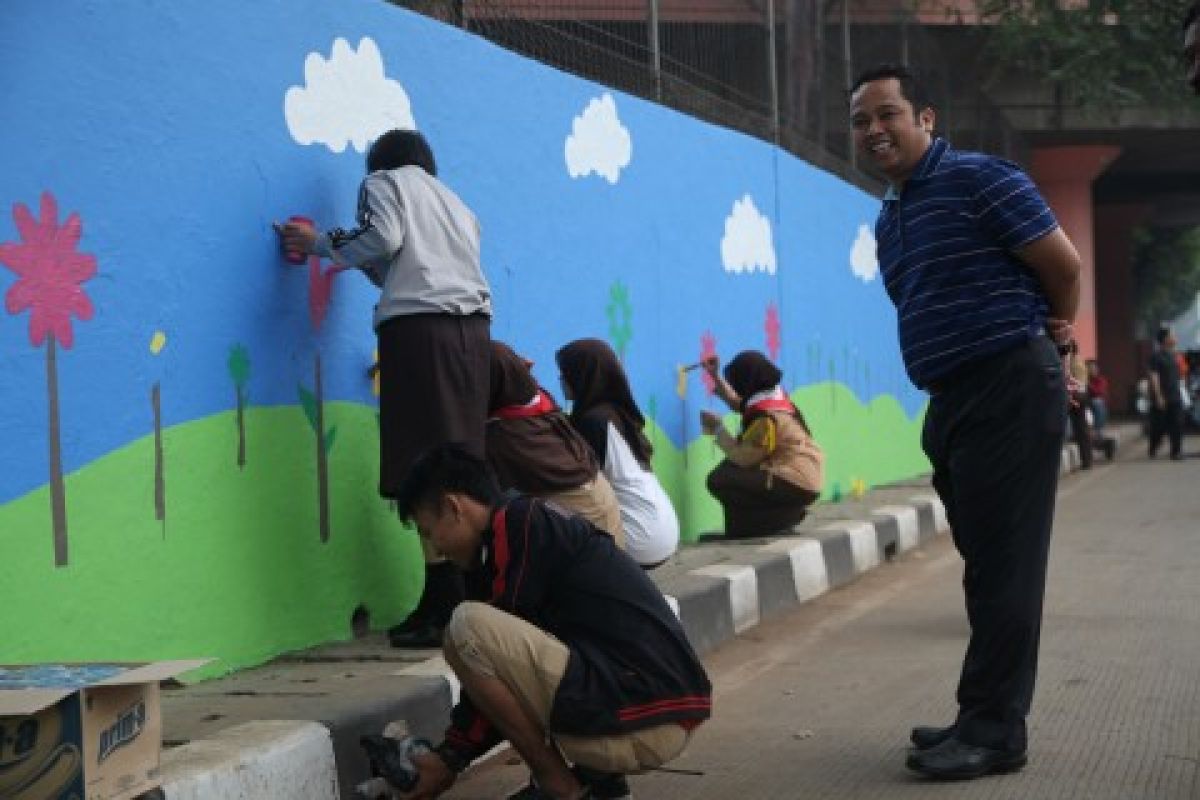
(189, 450)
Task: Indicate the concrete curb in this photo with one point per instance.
(715, 603)
(266, 760)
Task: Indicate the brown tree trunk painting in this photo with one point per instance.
(322, 456)
(160, 489)
(58, 490)
(241, 425)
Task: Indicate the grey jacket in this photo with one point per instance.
(418, 242)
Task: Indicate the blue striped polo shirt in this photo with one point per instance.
(945, 245)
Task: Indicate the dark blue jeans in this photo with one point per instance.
(994, 434)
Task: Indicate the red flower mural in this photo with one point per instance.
(708, 349)
(49, 273)
(773, 330)
(320, 290)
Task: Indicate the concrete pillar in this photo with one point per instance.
(1118, 355)
(1065, 175)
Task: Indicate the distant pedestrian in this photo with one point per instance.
(1077, 412)
(1166, 396)
(1097, 392)
(1191, 45)
(978, 269)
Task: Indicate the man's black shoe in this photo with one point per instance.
(926, 736)
(423, 634)
(955, 760)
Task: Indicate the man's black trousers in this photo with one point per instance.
(994, 433)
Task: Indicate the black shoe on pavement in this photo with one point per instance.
(531, 792)
(603, 785)
(955, 760)
(926, 736)
(415, 635)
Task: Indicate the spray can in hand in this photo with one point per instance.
(391, 759)
(297, 256)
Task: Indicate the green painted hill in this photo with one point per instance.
(238, 572)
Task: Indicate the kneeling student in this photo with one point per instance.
(565, 649)
(605, 414)
(772, 471)
(532, 448)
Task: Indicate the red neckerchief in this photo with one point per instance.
(777, 401)
(541, 404)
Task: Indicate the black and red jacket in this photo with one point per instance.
(631, 666)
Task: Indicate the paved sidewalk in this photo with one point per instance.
(719, 589)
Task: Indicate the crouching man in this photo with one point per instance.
(564, 648)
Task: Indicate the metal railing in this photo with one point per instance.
(775, 69)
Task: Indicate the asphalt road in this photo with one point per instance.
(818, 703)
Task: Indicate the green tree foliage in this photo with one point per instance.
(1167, 269)
(1102, 54)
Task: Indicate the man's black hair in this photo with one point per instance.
(398, 148)
(445, 469)
(911, 86)
(1193, 13)
(1162, 334)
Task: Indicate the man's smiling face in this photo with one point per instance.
(888, 130)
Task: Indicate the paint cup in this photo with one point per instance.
(297, 256)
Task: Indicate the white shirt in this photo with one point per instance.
(651, 526)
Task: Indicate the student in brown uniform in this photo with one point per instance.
(533, 448)
(772, 470)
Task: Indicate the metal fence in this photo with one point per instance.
(775, 69)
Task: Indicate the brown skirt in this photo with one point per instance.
(755, 502)
(433, 388)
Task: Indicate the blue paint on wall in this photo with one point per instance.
(162, 125)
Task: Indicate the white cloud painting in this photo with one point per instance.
(346, 100)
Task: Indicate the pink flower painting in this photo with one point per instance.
(773, 330)
(708, 349)
(50, 272)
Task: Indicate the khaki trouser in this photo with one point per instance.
(596, 502)
(531, 663)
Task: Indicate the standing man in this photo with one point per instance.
(1166, 398)
(979, 270)
(1191, 53)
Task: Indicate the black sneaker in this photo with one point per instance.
(603, 785)
(416, 636)
(532, 792)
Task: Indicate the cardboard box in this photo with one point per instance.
(82, 731)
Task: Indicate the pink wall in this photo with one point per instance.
(1065, 175)
(1119, 357)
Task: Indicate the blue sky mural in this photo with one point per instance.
(178, 155)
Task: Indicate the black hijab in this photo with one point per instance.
(601, 389)
(749, 373)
